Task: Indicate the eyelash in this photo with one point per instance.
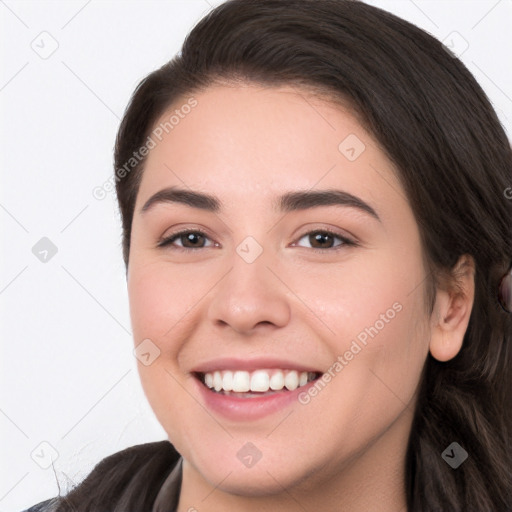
(346, 241)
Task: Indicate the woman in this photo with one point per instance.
(317, 244)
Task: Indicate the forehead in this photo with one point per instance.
(251, 142)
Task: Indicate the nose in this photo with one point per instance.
(249, 299)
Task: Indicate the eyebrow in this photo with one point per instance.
(288, 202)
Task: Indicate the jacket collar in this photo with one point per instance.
(168, 497)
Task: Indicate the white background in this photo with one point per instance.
(68, 375)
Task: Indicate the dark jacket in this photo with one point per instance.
(150, 469)
(43, 506)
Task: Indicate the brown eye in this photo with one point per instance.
(188, 240)
(322, 240)
(191, 239)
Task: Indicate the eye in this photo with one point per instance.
(319, 240)
(322, 240)
(190, 240)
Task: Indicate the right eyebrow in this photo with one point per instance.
(187, 197)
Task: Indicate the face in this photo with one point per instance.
(271, 281)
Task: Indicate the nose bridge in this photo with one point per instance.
(249, 294)
(249, 265)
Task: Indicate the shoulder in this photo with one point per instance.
(121, 477)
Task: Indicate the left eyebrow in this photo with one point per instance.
(304, 200)
(288, 202)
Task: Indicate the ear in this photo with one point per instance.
(452, 311)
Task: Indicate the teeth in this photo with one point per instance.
(227, 381)
(277, 381)
(291, 380)
(258, 381)
(217, 381)
(241, 382)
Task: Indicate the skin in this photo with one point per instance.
(344, 450)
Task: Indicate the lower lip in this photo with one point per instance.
(247, 409)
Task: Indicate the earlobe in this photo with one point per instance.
(452, 312)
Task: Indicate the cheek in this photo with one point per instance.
(159, 301)
(372, 313)
(351, 296)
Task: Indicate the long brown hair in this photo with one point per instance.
(437, 126)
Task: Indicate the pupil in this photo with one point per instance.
(321, 237)
(191, 236)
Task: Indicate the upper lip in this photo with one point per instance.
(232, 363)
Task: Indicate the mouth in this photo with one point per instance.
(255, 384)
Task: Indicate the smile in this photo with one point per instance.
(247, 384)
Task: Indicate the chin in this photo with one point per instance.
(222, 469)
